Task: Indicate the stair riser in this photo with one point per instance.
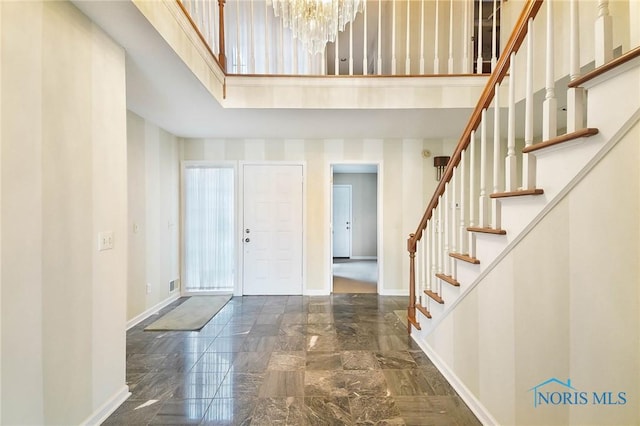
(624, 89)
(449, 293)
(467, 274)
(518, 212)
(557, 166)
(489, 247)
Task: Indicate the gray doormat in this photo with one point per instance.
(191, 315)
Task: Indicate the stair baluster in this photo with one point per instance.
(462, 231)
(434, 251)
(440, 247)
(603, 34)
(497, 159)
(511, 174)
(422, 37)
(483, 209)
(549, 106)
(472, 192)
(446, 230)
(494, 37)
(453, 207)
(575, 95)
(529, 161)
(479, 61)
(436, 59)
(407, 61)
(450, 62)
(421, 267)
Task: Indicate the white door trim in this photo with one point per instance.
(238, 291)
(328, 287)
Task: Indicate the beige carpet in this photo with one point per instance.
(191, 315)
(355, 276)
(346, 285)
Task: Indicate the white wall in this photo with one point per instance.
(407, 181)
(564, 303)
(63, 180)
(153, 224)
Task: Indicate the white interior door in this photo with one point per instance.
(272, 231)
(342, 221)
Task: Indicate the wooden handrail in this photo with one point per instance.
(518, 35)
(632, 54)
(221, 61)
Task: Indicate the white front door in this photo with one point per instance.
(342, 222)
(272, 231)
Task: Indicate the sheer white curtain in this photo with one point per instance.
(209, 248)
(257, 43)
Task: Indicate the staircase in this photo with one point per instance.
(504, 184)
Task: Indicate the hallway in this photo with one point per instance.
(355, 276)
(297, 360)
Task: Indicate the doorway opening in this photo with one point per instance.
(354, 228)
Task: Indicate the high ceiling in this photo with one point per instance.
(162, 89)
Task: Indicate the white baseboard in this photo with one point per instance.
(146, 314)
(364, 257)
(207, 293)
(316, 293)
(467, 396)
(106, 409)
(394, 292)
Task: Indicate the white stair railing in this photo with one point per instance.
(256, 42)
(460, 207)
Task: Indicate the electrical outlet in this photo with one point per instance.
(105, 240)
(148, 288)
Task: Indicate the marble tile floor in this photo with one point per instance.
(288, 360)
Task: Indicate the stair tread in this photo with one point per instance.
(465, 258)
(582, 133)
(448, 279)
(519, 193)
(434, 296)
(424, 310)
(626, 57)
(487, 230)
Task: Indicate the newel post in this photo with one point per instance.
(411, 310)
(222, 58)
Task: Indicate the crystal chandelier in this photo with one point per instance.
(315, 22)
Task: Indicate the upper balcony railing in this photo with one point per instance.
(390, 37)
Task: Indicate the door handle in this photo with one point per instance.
(246, 240)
